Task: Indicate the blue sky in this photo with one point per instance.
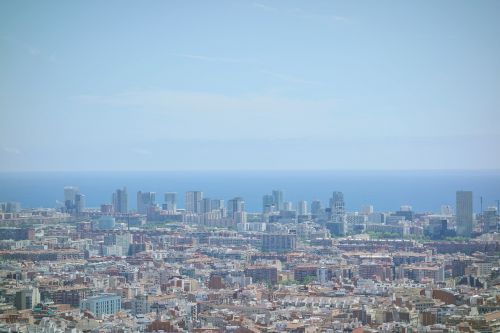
(183, 85)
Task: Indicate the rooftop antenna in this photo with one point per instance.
(481, 197)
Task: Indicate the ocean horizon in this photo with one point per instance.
(386, 190)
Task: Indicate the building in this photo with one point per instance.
(193, 201)
(17, 233)
(303, 272)
(120, 201)
(79, 203)
(302, 208)
(70, 193)
(490, 219)
(337, 206)
(10, 207)
(122, 240)
(316, 207)
(27, 298)
(145, 200)
(102, 304)
(170, 202)
(205, 205)
(279, 242)
(234, 206)
(268, 204)
(278, 199)
(464, 213)
(267, 274)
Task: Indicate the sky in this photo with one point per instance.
(249, 85)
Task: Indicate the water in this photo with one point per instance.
(386, 190)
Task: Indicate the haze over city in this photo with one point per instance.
(249, 85)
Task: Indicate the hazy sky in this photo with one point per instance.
(122, 85)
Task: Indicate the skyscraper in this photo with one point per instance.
(302, 208)
(170, 201)
(490, 219)
(337, 205)
(316, 207)
(236, 205)
(268, 203)
(79, 203)
(120, 201)
(206, 205)
(70, 193)
(193, 201)
(278, 199)
(464, 213)
(144, 201)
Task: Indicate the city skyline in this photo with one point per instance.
(249, 85)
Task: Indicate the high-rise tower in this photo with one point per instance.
(120, 201)
(464, 213)
(193, 201)
(170, 201)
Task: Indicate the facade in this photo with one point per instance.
(337, 206)
(170, 202)
(490, 219)
(120, 201)
(27, 298)
(464, 213)
(234, 206)
(316, 207)
(193, 201)
(79, 203)
(145, 200)
(103, 304)
(278, 199)
(279, 242)
(70, 193)
(267, 274)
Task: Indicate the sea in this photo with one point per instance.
(425, 191)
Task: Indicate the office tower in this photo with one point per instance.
(120, 201)
(302, 207)
(217, 204)
(268, 203)
(337, 205)
(490, 219)
(367, 209)
(278, 199)
(170, 202)
(70, 193)
(236, 205)
(205, 205)
(193, 201)
(79, 203)
(145, 200)
(316, 207)
(464, 213)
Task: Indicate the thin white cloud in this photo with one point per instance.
(142, 152)
(11, 150)
(289, 78)
(303, 13)
(28, 48)
(210, 58)
(264, 7)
